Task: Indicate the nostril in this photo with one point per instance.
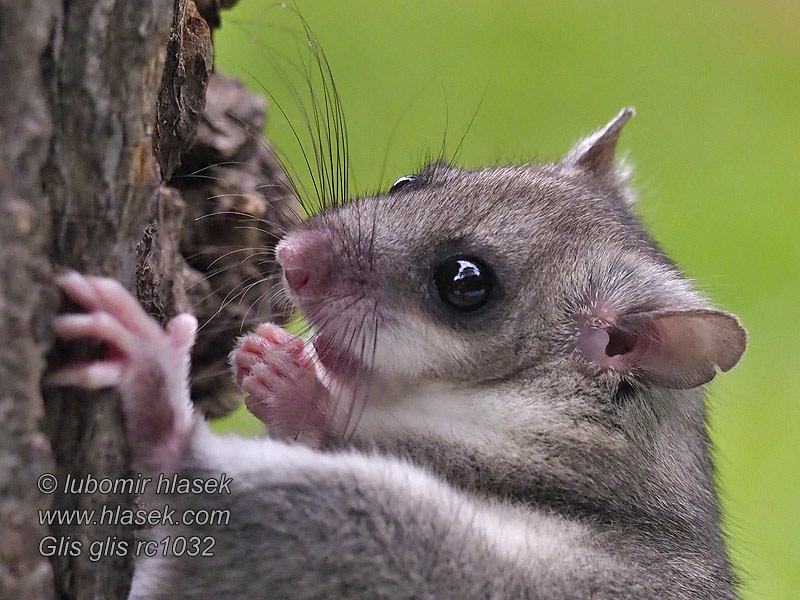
(297, 277)
(306, 260)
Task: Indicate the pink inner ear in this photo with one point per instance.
(602, 344)
(680, 349)
(592, 343)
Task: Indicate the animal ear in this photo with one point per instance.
(676, 349)
(595, 153)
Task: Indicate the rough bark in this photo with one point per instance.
(100, 105)
(25, 129)
(238, 203)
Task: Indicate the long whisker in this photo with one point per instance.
(471, 121)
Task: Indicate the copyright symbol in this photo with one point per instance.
(47, 483)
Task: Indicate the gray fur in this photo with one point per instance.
(493, 459)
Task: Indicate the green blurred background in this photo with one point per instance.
(716, 146)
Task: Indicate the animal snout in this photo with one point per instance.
(306, 258)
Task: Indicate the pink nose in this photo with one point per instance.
(305, 257)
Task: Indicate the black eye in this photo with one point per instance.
(401, 183)
(464, 283)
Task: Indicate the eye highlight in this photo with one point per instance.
(401, 183)
(464, 283)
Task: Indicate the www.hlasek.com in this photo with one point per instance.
(163, 516)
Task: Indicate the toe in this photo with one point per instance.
(277, 335)
(98, 325)
(90, 376)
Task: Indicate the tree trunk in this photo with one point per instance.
(99, 108)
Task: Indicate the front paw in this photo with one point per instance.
(283, 388)
(149, 365)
